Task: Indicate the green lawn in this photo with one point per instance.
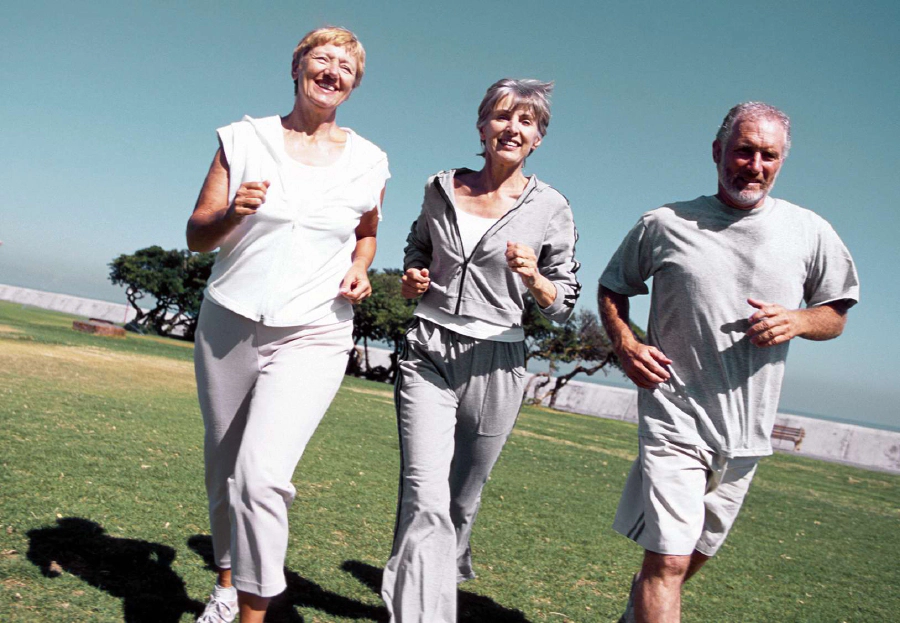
(103, 513)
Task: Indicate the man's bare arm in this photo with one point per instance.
(773, 324)
(643, 364)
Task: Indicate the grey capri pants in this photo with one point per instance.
(263, 391)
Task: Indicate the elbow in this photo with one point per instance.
(195, 243)
(840, 325)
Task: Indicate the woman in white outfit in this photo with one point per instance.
(293, 204)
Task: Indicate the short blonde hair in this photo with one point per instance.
(333, 35)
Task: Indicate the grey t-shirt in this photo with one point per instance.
(706, 260)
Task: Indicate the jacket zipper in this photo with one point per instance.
(465, 266)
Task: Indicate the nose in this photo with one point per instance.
(333, 67)
(512, 126)
(755, 162)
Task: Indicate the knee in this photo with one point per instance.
(665, 567)
(255, 491)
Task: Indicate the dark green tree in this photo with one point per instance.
(382, 317)
(581, 345)
(172, 281)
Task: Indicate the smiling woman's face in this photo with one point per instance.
(511, 133)
(326, 75)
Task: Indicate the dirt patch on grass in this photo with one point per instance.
(386, 393)
(97, 369)
(619, 454)
(8, 330)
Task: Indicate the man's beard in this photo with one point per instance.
(744, 198)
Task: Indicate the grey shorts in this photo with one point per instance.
(679, 498)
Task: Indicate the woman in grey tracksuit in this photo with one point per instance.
(483, 240)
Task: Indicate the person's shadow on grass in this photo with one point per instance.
(137, 572)
(300, 592)
(471, 608)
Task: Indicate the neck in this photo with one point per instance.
(495, 178)
(310, 120)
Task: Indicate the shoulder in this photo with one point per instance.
(675, 211)
(367, 151)
(247, 128)
(798, 214)
(549, 199)
(247, 123)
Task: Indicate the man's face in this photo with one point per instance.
(749, 163)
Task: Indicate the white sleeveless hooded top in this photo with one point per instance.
(283, 266)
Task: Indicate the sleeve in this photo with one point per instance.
(380, 175)
(631, 264)
(832, 274)
(417, 253)
(558, 264)
(235, 154)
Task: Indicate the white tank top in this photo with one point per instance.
(283, 266)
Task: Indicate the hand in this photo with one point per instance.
(772, 324)
(247, 200)
(521, 259)
(643, 364)
(414, 283)
(355, 286)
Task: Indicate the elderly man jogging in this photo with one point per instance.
(730, 273)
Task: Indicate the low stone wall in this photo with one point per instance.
(862, 446)
(871, 448)
(75, 305)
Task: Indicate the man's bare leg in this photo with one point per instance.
(658, 598)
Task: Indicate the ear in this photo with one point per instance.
(716, 151)
(295, 69)
(536, 143)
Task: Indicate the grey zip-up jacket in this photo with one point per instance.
(482, 285)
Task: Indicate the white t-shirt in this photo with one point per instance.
(283, 266)
(471, 229)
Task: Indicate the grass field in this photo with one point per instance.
(103, 513)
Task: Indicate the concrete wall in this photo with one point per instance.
(832, 441)
(75, 305)
(871, 448)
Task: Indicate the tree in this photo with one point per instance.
(382, 317)
(581, 342)
(174, 280)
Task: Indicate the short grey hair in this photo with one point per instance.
(754, 110)
(528, 92)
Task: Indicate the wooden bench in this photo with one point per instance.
(789, 433)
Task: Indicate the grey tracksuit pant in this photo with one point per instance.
(457, 401)
(263, 391)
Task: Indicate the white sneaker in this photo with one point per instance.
(222, 606)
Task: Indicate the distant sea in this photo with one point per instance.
(615, 378)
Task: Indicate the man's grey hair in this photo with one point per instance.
(533, 94)
(754, 110)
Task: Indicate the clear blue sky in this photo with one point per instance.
(109, 111)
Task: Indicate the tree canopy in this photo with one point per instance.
(171, 281)
(580, 345)
(382, 317)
